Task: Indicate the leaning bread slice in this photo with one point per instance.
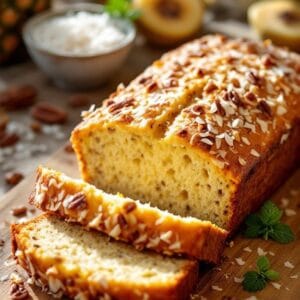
(65, 259)
(125, 219)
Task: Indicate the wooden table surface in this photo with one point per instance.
(221, 282)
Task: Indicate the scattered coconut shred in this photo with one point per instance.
(82, 33)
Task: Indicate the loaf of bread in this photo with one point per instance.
(209, 130)
(65, 259)
(125, 219)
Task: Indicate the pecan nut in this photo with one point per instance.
(77, 201)
(49, 113)
(129, 207)
(8, 139)
(19, 211)
(18, 97)
(18, 291)
(13, 178)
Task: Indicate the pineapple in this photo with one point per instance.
(13, 14)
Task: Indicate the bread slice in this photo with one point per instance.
(64, 259)
(125, 219)
(209, 130)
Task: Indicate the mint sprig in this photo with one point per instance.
(266, 223)
(121, 8)
(257, 280)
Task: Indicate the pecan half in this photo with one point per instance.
(253, 78)
(210, 86)
(18, 97)
(121, 220)
(152, 87)
(49, 113)
(18, 211)
(264, 107)
(220, 108)
(8, 139)
(129, 207)
(18, 291)
(114, 108)
(183, 133)
(77, 201)
(13, 178)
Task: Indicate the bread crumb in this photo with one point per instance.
(240, 261)
(290, 212)
(289, 265)
(216, 288)
(276, 285)
(261, 252)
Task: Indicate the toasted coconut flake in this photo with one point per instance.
(289, 265)
(276, 285)
(240, 261)
(281, 110)
(242, 161)
(261, 252)
(247, 249)
(238, 280)
(254, 153)
(284, 202)
(290, 212)
(166, 236)
(216, 288)
(245, 140)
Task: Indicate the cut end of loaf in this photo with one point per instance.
(168, 175)
(59, 253)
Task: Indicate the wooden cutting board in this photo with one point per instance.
(220, 282)
(215, 283)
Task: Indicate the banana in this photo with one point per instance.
(167, 22)
(278, 21)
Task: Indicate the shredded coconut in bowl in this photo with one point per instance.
(82, 33)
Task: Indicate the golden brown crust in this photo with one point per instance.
(125, 219)
(48, 275)
(231, 100)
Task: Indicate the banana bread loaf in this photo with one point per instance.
(209, 130)
(125, 219)
(65, 259)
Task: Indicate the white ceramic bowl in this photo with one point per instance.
(78, 71)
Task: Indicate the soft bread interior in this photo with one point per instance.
(170, 175)
(76, 252)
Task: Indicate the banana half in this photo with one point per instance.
(278, 21)
(167, 22)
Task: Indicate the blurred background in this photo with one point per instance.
(59, 57)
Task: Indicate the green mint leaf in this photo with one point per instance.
(253, 282)
(263, 264)
(271, 275)
(254, 226)
(282, 233)
(121, 8)
(269, 213)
